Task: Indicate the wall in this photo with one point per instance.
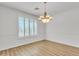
(9, 28)
(64, 28)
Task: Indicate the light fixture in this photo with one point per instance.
(45, 18)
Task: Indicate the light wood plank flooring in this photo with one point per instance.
(42, 48)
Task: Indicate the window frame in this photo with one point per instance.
(34, 32)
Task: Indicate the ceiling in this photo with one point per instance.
(52, 7)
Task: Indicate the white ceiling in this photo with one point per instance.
(52, 7)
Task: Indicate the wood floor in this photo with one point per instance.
(42, 48)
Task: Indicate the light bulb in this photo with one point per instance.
(44, 20)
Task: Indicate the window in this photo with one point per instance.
(27, 27)
(31, 27)
(21, 26)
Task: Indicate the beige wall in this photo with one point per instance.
(9, 26)
(64, 28)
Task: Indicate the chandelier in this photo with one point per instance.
(45, 18)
